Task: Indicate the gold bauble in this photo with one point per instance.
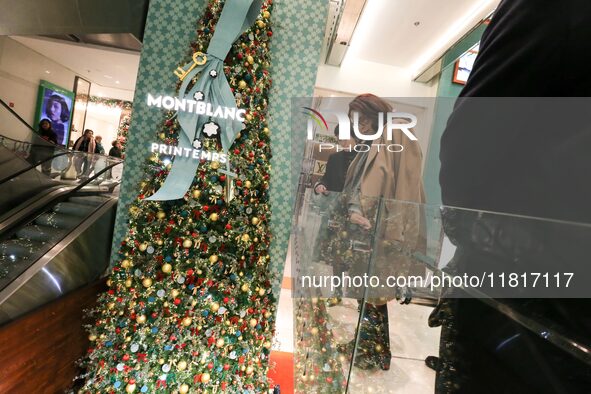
(253, 323)
(109, 282)
(166, 268)
(267, 314)
(174, 293)
(187, 321)
(261, 24)
(205, 377)
(220, 342)
(92, 337)
(245, 238)
(250, 59)
(214, 217)
(128, 282)
(162, 136)
(147, 282)
(314, 330)
(141, 319)
(267, 345)
(196, 193)
(161, 361)
(242, 85)
(143, 247)
(248, 117)
(247, 184)
(255, 221)
(213, 259)
(161, 215)
(243, 368)
(215, 165)
(182, 365)
(378, 348)
(266, 130)
(184, 389)
(130, 388)
(249, 370)
(262, 292)
(159, 242)
(187, 243)
(126, 264)
(266, 14)
(245, 287)
(215, 307)
(256, 239)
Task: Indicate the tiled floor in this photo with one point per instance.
(411, 341)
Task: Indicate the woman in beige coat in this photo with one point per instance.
(395, 179)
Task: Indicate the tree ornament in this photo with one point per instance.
(92, 337)
(220, 342)
(213, 259)
(141, 319)
(214, 217)
(245, 237)
(130, 388)
(247, 184)
(249, 370)
(242, 84)
(167, 268)
(196, 193)
(143, 247)
(128, 282)
(184, 389)
(126, 264)
(255, 221)
(147, 282)
(215, 307)
(266, 14)
(215, 165)
(161, 215)
(205, 377)
(187, 321)
(175, 293)
(182, 365)
(187, 243)
(245, 287)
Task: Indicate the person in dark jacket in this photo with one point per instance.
(525, 157)
(116, 150)
(42, 152)
(337, 165)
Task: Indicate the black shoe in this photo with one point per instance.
(432, 362)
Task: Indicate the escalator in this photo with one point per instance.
(56, 224)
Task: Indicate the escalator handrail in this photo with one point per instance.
(30, 167)
(23, 211)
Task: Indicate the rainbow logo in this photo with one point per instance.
(316, 117)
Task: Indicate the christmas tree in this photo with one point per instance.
(189, 306)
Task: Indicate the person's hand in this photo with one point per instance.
(320, 188)
(360, 220)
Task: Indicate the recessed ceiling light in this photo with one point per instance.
(108, 76)
(417, 23)
(47, 72)
(117, 82)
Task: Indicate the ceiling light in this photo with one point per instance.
(117, 82)
(108, 76)
(417, 23)
(47, 72)
(454, 33)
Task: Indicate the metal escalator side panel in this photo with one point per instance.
(79, 258)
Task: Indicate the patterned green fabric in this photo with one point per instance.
(295, 50)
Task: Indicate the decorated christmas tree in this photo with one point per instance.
(189, 306)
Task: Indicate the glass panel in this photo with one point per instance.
(372, 304)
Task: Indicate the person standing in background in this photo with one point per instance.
(43, 152)
(116, 150)
(337, 165)
(99, 149)
(87, 145)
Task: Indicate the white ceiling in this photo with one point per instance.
(386, 32)
(110, 68)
